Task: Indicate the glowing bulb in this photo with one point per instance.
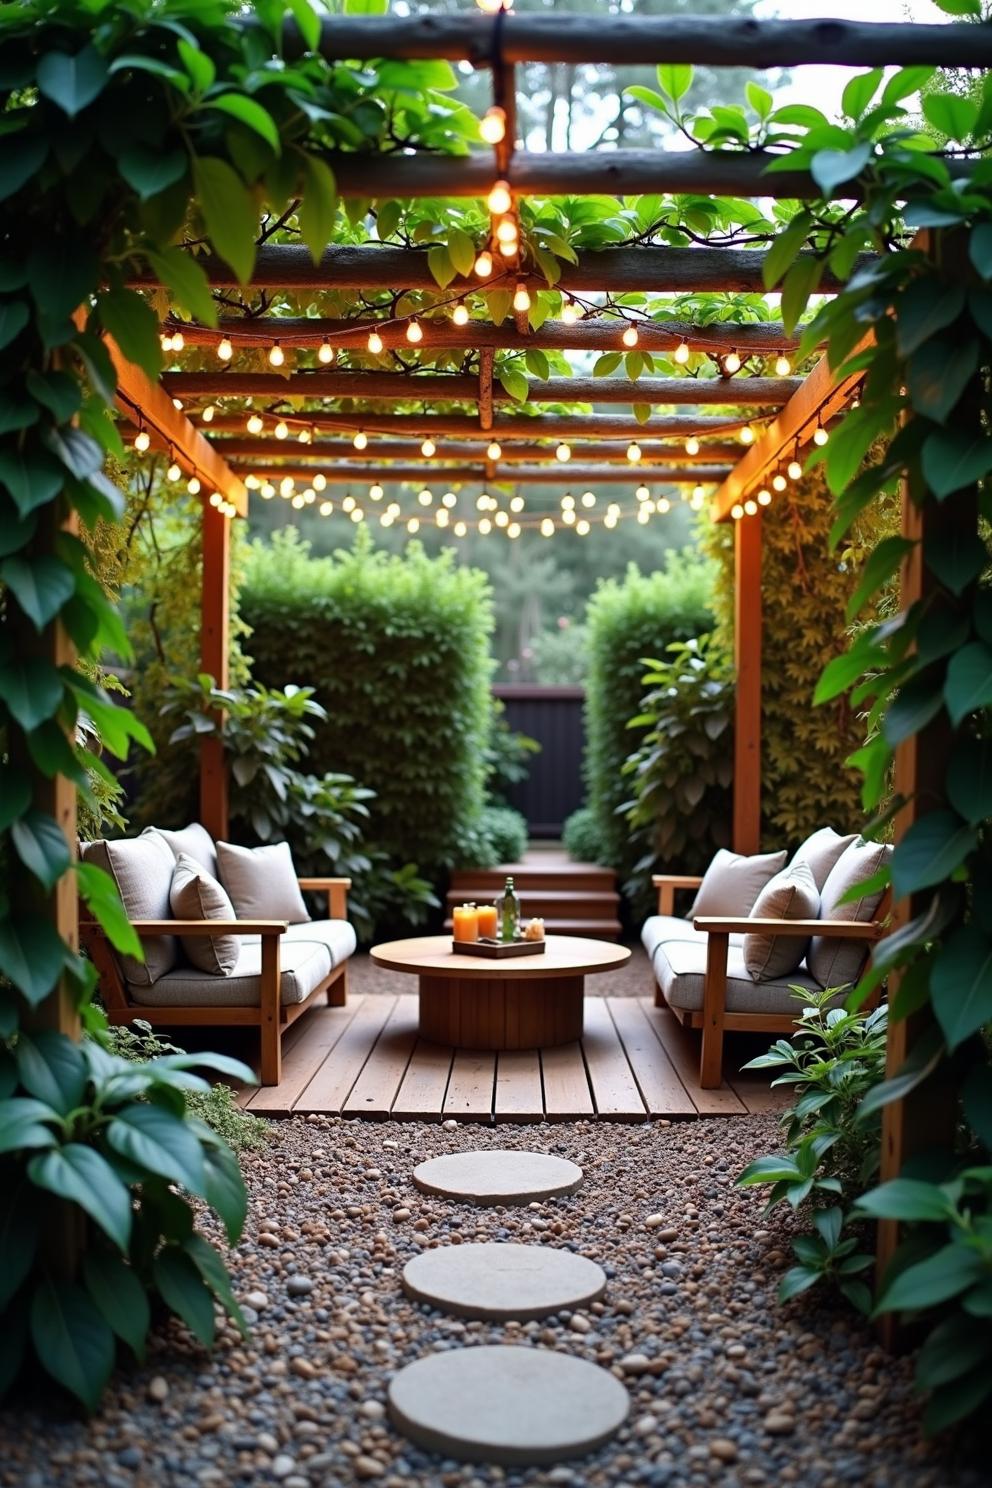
(567, 502)
(736, 511)
(782, 365)
(501, 519)
(298, 503)
(492, 125)
(508, 249)
(563, 452)
(305, 436)
(320, 482)
(633, 453)
(286, 486)
(499, 199)
(357, 515)
(224, 349)
(482, 503)
(142, 441)
(547, 528)
(428, 448)
(568, 517)
(630, 336)
(779, 482)
(506, 231)
(644, 514)
(459, 315)
(750, 507)
(663, 505)
(173, 473)
(682, 352)
(325, 352)
(588, 499)
(208, 414)
(177, 403)
(178, 341)
(309, 495)
(193, 486)
(414, 331)
(697, 498)
(692, 445)
(494, 450)
(441, 517)
(348, 504)
(281, 430)
(449, 499)
(268, 490)
(460, 529)
(485, 526)
(490, 7)
(642, 493)
(513, 530)
(521, 298)
(569, 310)
(376, 492)
(764, 497)
(794, 470)
(165, 341)
(374, 343)
(731, 362)
(484, 265)
(255, 424)
(582, 527)
(425, 497)
(821, 436)
(276, 355)
(360, 440)
(325, 508)
(216, 499)
(746, 435)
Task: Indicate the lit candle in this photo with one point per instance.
(487, 920)
(465, 921)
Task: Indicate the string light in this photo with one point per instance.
(485, 526)
(502, 519)
(193, 485)
(644, 514)
(547, 527)
(449, 499)
(567, 502)
(582, 527)
(287, 486)
(634, 452)
(482, 503)
(142, 440)
(459, 314)
(588, 499)
(513, 530)
(782, 365)
(492, 7)
(568, 517)
(746, 435)
(297, 502)
(517, 504)
(682, 352)
(428, 448)
(460, 529)
(692, 445)
(414, 331)
(521, 298)
(630, 336)
(820, 436)
(731, 362)
(216, 499)
(165, 341)
(177, 404)
(779, 482)
(360, 440)
(494, 451)
(309, 495)
(376, 492)
(320, 481)
(374, 343)
(268, 490)
(736, 511)
(255, 423)
(569, 310)
(697, 498)
(506, 231)
(563, 452)
(178, 341)
(425, 497)
(305, 436)
(208, 413)
(663, 505)
(325, 508)
(499, 199)
(794, 468)
(281, 430)
(173, 473)
(441, 517)
(225, 350)
(484, 264)
(325, 352)
(764, 497)
(750, 507)
(492, 125)
(357, 515)
(276, 355)
(348, 504)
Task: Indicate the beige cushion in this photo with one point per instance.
(142, 869)
(336, 935)
(790, 895)
(680, 967)
(303, 966)
(834, 962)
(197, 896)
(821, 851)
(261, 882)
(659, 929)
(733, 882)
(193, 840)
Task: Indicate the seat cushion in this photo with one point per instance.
(659, 929)
(821, 851)
(142, 869)
(197, 896)
(338, 936)
(304, 965)
(680, 968)
(732, 882)
(790, 895)
(194, 840)
(262, 882)
(839, 963)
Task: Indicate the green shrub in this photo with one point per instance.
(396, 649)
(506, 831)
(682, 771)
(508, 754)
(581, 837)
(627, 620)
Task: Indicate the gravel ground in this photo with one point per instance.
(633, 979)
(727, 1389)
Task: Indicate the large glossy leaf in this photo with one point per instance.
(81, 1175)
(134, 326)
(184, 1291)
(906, 1199)
(20, 1229)
(947, 1273)
(318, 208)
(150, 171)
(72, 82)
(925, 307)
(189, 284)
(930, 851)
(41, 847)
(953, 459)
(155, 1139)
(969, 779)
(213, 1271)
(32, 690)
(225, 1189)
(72, 1340)
(32, 955)
(52, 1069)
(229, 212)
(969, 680)
(32, 476)
(119, 1297)
(102, 896)
(961, 985)
(23, 1123)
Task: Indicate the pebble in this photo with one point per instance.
(258, 1300)
(450, 1124)
(300, 1286)
(158, 1389)
(777, 1423)
(723, 1449)
(369, 1467)
(283, 1466)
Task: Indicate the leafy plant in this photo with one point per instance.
(682, 770)
(580, 837)
(508, 753)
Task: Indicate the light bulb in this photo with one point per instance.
(357, 515)
(731, 362)
(499, 199)
(482, 502)
(309, 495)
(484, 264)
(178, 341)
(746, 435)
(513, 530)
(506, 231)
(588, 499)
(521, 298)
(630, 336)
(633, 452)
(782, 365)
(441, 517)
(268, 490)
(779, 482)
(208, 414)
(360, 440)
(450, 499)
(460, 529)
(509, 248)
(642, 493)
(563, 452)
(414, 331)
(216, 499)
(305, 436)
(794, 470)
(459, 314)
(764, 497)
(325, 352)
(485, 526)
(376, 492)
(547, 527)
(820, 436)
(287, 486)
(644, 514)
(698, 496)
(682, 352)
(224, 349)
(276, 355)
(165, 341)
(320, 481)
(386, 519)
(494, 450)
(255, 424)
(568, 517)
(501, 519)
(297, 502)
(193, 486)
(610, 520)
(569, 311)
(750, 507)
(490, 7)
(173, 473)
(374, 343)
(736, 511)
(425, 497)
(348, 504)
(517, 504)
(692, 445)
(567, 502)
(582, 527)
(281, 430)
(663, 505)
(325, 508)
(492, 125)
(142, 441)
(177, 404)
(428, 448)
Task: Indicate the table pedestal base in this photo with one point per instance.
(493, 1014)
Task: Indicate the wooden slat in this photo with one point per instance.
(305, 1046)
(332, 1083)
(614, 1088)
(519, 1095)
(421, 1094)
(470, 1087)
(682, 1048)
(661, 1089)
(375, 1089)
(566, 1083)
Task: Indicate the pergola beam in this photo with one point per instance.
(505, 427)
(378, 452)
(569, 474)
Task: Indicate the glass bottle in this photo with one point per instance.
(508, 906)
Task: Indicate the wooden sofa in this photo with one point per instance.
(283, 971)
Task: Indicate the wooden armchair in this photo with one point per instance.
(668, 883)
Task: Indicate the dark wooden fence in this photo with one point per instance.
(554, 717)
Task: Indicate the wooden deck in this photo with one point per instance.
(635, 1062)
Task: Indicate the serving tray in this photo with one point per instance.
(497, 950)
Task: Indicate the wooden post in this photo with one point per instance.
(747, 705)
(215, 613)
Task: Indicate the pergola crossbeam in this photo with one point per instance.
(379, 452)
(428, 474)
(506, 426)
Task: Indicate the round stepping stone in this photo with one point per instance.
(514, 1406)
(502, 1280)
(497, 1177)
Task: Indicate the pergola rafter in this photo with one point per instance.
(572, 473)
(505, 426)
(378, 452)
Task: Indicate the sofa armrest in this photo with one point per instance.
(337, 894)
(667, 883)
(838, 929)
(265, 928)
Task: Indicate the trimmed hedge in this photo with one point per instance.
(626, 621)
(396, 648)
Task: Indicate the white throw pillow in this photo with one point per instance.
(821, 851)
(193, 840)
(142, 868)
(733, 882)
(790, 895)
(832, 961)
(197, 896)
(262, 882)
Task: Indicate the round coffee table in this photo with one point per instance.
(525, 1002)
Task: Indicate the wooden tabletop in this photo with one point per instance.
(566, 955)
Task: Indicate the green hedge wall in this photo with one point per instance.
(626, 621)
(397, 650)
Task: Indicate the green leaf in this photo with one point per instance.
(134, 326)
(180, 272)
(945, 1274)
(149, 171)
(309, 22)
(19, 166)
(980, 249)
(961, 985)
(250, 113)
(31, 476)
(930, 851)
(969, 680)
(230, 215)
(40, 585)
(318, 209)
(955, 557)
(72, 82)
(225, 1188)
(52, 1068)
(675, 79)
(119, 1297)
(57, 391)
(213, 1271)
(72, 1340)
(977, 1096)
(14, 315)
(20, 1232)
(155, 1139)
(461, 249)
(440, 264)
(82, 1176)
(796, 1280)
(832, 168)
(102, 897)
(23, 1124)
(939, 372)
(917, 703)
(800, 282)
(925, 307)
(198, 64)
(881, 564)
(32, 955)
(32, 691)
(759, 98)
(860, 91)
(906, 1199)
(514, 383)
(41, 847)
(953, 459)
(950, 114)
(16, 797)
(183, 1291)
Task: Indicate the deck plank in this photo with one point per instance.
(421, 1094)
(374, 1091)
(332, 1083)
(682, 1047)
(756, 1093)
(566, 1083)
(470, 1088)
(614, 1088)
(305, 1047)
(519, 1094)
(661, 1089)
